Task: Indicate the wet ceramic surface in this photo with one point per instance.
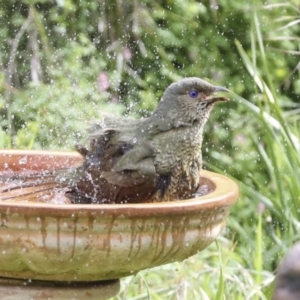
(80, 242)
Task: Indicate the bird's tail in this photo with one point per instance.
(46, 186)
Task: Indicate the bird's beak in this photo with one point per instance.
(216, 89)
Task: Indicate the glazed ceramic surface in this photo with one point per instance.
(81, 242)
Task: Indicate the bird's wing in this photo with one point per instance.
(132, 168)
(117, 165)
(122, 159)
(110, 131)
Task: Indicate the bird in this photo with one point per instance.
(152, 159)
(287, 280)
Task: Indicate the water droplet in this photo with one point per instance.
(134, 140)
(23, 160)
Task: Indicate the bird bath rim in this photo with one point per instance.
(224, 193)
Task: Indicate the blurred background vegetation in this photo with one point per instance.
(64, 62)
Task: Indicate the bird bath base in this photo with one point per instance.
(18, 289)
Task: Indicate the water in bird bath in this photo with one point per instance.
(38, 165)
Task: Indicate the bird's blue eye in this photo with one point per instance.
(193, 94)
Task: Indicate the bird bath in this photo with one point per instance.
(84, 243)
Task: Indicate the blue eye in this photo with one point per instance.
(193, 94)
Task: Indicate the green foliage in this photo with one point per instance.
(215, 274)
(63, 63)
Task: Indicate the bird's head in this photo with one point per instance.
(195, 91)
(188, 100)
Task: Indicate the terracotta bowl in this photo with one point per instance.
(80, 242)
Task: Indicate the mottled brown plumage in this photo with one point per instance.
(148, 160)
